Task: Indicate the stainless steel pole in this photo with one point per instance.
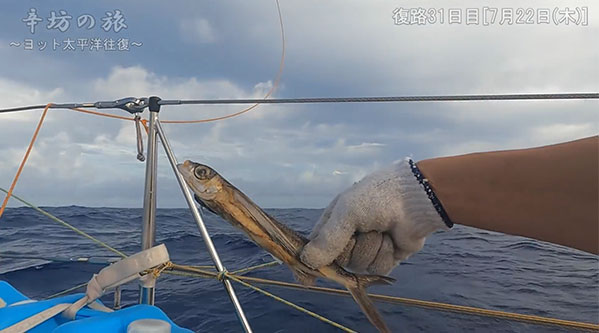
(146, 294)
(198, 218)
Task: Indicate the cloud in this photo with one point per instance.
(197, 30)
(242, 148)
(18, 94)
(290, 155)
(563, 132)
(365, 146)
(530, 136)
(138, 81)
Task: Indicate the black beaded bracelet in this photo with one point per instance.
(431, 195)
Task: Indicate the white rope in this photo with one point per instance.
(119, 273)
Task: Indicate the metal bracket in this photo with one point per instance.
(132, 105)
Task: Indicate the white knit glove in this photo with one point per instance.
(372, 226)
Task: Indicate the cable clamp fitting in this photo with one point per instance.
(132, 105)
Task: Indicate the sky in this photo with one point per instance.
(284, 155)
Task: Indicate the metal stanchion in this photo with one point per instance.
(198, 218)
(146, 294)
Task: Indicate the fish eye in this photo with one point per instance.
(202, 173)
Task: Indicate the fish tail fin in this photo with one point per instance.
(359, 294)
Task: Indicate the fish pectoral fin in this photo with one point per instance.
(277, 231)
(367, 280)
(361, 297)
(303, 278)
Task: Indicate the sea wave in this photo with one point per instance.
(462, 266)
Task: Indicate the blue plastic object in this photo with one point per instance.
(87, 320)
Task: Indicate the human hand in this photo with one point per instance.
(376, 223)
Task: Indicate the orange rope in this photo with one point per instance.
(210, 119)
(14, 181)
(101, 114)
(145, 123)
(272, 89)
(39, 125)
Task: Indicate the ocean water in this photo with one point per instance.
(463, 266)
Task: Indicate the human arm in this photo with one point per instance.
(548, 193)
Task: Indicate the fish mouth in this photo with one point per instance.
(186, 169)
